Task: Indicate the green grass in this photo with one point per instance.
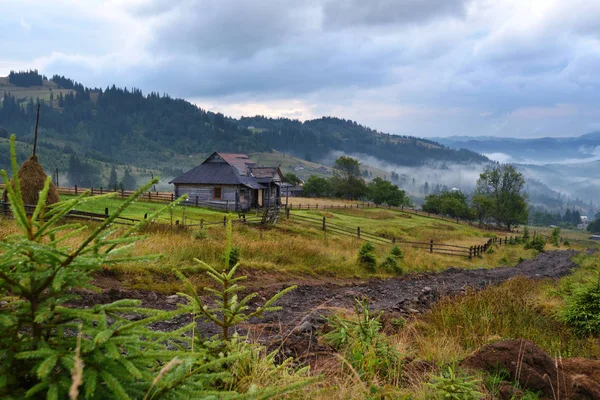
(191, 215)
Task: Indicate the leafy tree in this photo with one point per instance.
(385, 192)
(292, 179)
(594, 227)
(482, 206)
(129, 182)
(113, 181)
(452, 203)
(317, 186)
(503, 186)
(347, 180)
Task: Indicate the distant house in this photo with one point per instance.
(232, 182)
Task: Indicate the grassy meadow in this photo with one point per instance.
(292, 251)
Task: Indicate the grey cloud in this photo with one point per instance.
(232, 29)
(349, 13)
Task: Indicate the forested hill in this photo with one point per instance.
(315, 138)
(127, 127)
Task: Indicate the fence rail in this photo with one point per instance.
(166, 197)
(431, 246)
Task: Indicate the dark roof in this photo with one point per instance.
(214, 173)
(232, 170)
(263, 172)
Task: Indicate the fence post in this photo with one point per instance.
(100, 189)
(471, 253)
(225, 220)
(287, 213)
(393, 240)
(358, 232)
(149, 196)
(505, 240)
(75, 190)
(323, 223)
(177, 222)
(172, 196)
(431, 246)
(201, 223)
(145, 215)
(122, 192)
(105, 210)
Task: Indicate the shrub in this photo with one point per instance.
(390, 264)
(525, 234)
(555, 237)
(449, 385)
(538, 243)
(582, 311)
(200, 234)
(567, 243)
(366, 256)
(364, 347)
(396, 252)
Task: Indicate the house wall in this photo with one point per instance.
(273, 197)
(229, 195)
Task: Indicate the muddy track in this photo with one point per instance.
(303, 309)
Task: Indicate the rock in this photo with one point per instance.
(152, 296)
(305, 327)
(172, 299)
(413, 311)
(536, 371)
(426, 289)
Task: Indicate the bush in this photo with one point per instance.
(449, 385)
(366, 257)
(538, 243)
(364, 346)
(582, 311)
(390, 264)
(567, 243)
(555, 237)
(200, 234)
(396, 252)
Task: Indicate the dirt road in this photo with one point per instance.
(303, 309)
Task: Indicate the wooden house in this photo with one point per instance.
(231, 182)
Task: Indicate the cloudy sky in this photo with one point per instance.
(522, 68)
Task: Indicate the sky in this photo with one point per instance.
(507, 68)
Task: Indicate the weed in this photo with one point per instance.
(367, 350)
(449, 385)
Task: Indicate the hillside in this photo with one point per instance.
(538, 151)
(124, 126)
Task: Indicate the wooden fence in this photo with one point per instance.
(431, 246)
(166, 197)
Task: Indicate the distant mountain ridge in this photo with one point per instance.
(546, 150)
(125, 126)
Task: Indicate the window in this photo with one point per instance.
(217, 193)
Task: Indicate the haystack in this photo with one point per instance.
(32, 178)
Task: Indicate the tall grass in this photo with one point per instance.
(456, 326)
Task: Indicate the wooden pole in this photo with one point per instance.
(35, 135)
(324, 223)
(358, 231)
(431, 246)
